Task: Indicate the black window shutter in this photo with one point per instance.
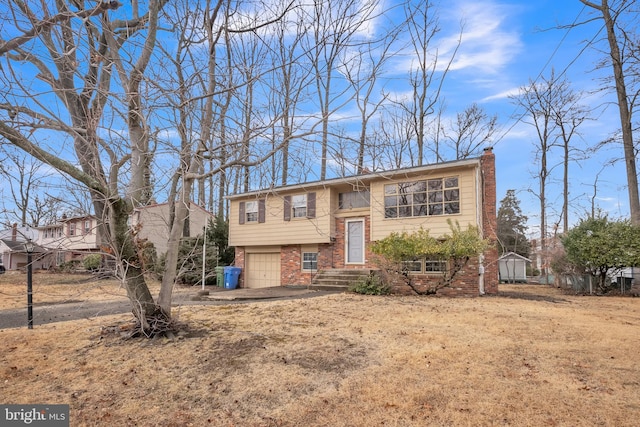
(241, 210)
(311, 205)
(287, 208)
(261, 211)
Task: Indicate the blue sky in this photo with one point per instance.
(504, 45)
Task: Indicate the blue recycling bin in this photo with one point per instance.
(231, 275)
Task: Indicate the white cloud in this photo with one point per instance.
(488, 41)
(506, 94)
(488, 44)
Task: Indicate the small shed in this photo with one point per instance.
(513, 268)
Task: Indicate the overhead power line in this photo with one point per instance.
(518, 117)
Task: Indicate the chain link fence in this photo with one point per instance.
(587, 284)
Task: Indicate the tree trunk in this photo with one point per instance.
(142, 303)
(625, 116)
(623, 107)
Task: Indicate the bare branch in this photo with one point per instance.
(43, 25)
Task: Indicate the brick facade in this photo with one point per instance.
(240, 262)
(468, 281)
(291, 266)
(291, 273)
(339, 258)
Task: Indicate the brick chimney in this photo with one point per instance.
(489, 219)
(14, 232)
(488, 166)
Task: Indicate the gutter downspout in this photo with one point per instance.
(481, 275)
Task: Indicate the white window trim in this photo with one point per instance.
(251, 207)
(302, 259)
(298, 201)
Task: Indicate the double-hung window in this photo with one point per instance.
(412, 265)
(251, 211)
(310, 261)
(299, 205)
(432, 265)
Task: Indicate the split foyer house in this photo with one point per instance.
(153, 222)
(287, 235)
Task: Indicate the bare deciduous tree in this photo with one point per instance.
(202, 116)
(472, 130)
(569, 115)
(552, 108)
(426, 77)
(335, 26)
(24, 179)
(288, 91)
(363, 69)
(538, 100)
(612, 16)
(73, 57)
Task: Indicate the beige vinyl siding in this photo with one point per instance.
(153, 221)
(437, 224)
(275, 230)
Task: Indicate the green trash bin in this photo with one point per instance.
(220, 276)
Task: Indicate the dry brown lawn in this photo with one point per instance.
(530, 357)
(50, 288)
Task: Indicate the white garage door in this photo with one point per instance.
(262, 270)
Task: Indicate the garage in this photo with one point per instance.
(262, 270)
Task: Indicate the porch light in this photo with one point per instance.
(28, 247)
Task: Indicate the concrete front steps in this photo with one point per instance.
(337, 279)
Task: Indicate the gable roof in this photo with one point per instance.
(18, 246)
(514, 255)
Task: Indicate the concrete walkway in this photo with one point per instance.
(277, 292)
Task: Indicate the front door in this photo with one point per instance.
(355, 241)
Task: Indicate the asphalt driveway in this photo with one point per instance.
(50, 313)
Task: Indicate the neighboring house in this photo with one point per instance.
(284, 236)
(153, 223)
(13, 254)
(513, 268)
(72, 238)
